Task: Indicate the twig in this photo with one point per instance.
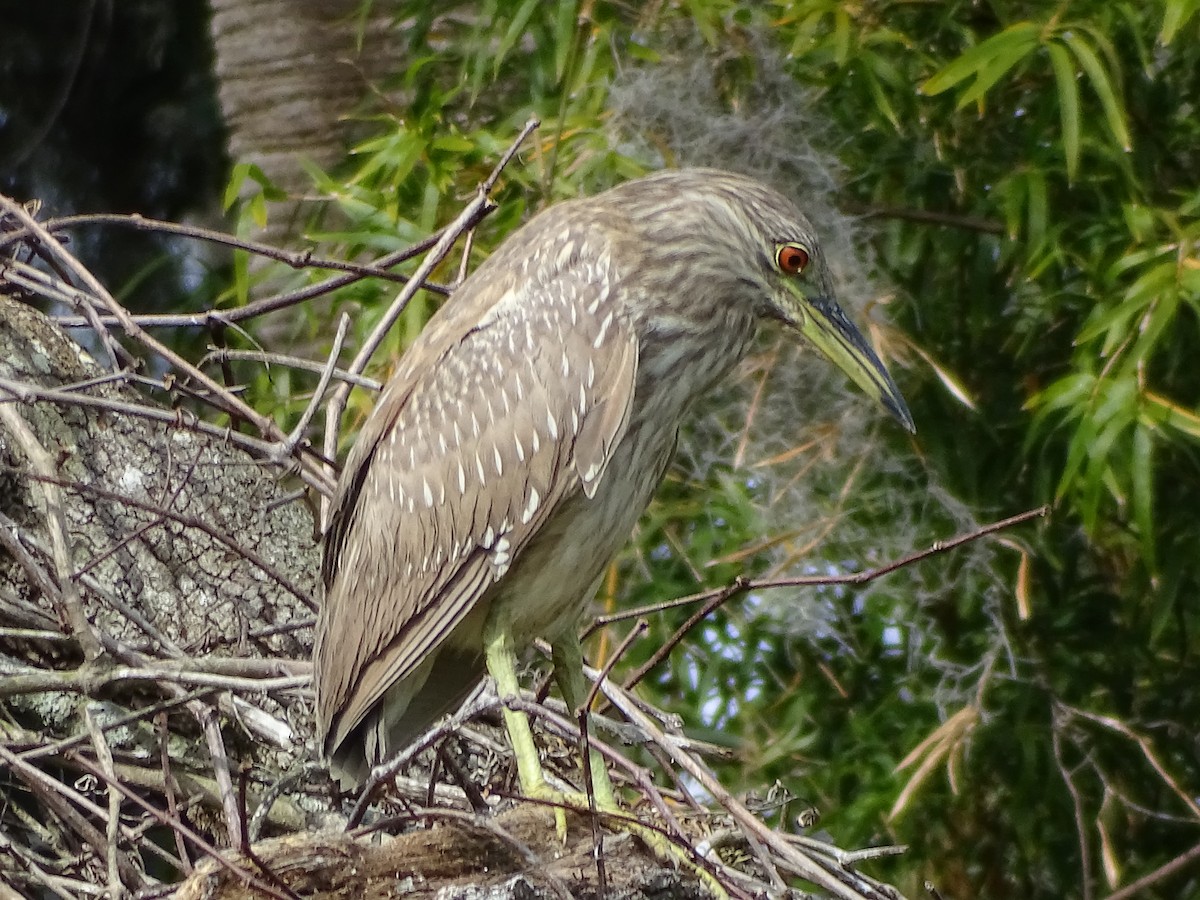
(297, 434)
(220, 397)
(1147, 751)
(843, 883)
(164, 758)
(1136, 887)
(222, 355)
(25, 392)
(64, 799)
(716, 597)
(179, 826)
(92, 682)
(105, 758)
(1081, 828)
(296, 259)
(56, 524)
(286, 300)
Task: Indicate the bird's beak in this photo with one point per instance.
(822, 321)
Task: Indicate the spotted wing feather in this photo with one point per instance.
(460, 465)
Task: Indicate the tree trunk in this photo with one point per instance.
(290, 73)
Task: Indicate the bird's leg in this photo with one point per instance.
(501, 660)
(568, 671)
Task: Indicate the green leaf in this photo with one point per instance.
(1175, 16)
(1068, 104)
(454, 143)
(976, 60)
(1142, 478)
(564, 36)
(1000, 65)
(516, 28)
(1102, 85)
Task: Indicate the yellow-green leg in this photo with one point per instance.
(501, 662)
(568, 671)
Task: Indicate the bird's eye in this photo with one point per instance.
(792, 259)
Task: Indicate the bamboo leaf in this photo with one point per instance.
(1142, 478)
(1068, 104)
(1175, 16)
(996, 68)
(975, 60)
(1102, 85)
(516, 28)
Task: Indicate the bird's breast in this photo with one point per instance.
(557, 575)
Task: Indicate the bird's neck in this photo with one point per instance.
(680, 360)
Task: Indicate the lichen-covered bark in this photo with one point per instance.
(197, 538)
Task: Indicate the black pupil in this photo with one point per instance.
(795, 258)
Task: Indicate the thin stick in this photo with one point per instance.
(716, 597)
(56, 524)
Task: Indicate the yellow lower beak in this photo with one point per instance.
(826, 326)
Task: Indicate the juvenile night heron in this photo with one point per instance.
(524, 432)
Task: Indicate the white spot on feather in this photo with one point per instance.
(427, 492)
(497, 460)
(462, 478)
(603, 332)
(479, 469)
(551, 425)
(531, 507)
(500, 554)
(520, 448)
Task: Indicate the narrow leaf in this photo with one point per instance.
(1175, 16)
(996, 68)
(1142, 490)
(976, 59)
(1103, 87)
(1068, 105)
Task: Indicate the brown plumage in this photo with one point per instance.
(526, 429)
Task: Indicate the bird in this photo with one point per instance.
(526, 429)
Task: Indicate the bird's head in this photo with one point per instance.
(735, 231)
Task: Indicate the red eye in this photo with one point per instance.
(792, 259)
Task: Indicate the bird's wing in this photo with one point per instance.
(460, 464)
